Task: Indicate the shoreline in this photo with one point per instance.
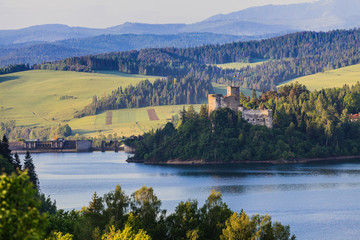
(203, 162)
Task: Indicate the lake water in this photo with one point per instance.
(318, 201)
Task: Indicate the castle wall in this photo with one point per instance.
(215, 101)
(258, 117)
(233, 91)
(232, 101)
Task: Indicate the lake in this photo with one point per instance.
(318, 201)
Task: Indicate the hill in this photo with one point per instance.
(33, 53)
(329, 79)
(48, 98)
(293, 55)
(125, 122)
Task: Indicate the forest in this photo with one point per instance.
(292, 55)
(169, 91)
(306, 125)
(14, 68)
(38, 52)
(27, 214)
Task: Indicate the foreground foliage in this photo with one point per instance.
(139, 216)
(20, 217)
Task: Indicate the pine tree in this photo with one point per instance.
(29, 165)
(17, 163)
(5, 151)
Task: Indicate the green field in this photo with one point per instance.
(32, 98)
(125, 122)
(329, 79)
(239, 65)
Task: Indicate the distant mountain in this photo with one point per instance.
(37, 53)
(43, 43)
(322, 15)
(46, 33)
(43, 52)
(144, 28)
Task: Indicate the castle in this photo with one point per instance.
(232, 101)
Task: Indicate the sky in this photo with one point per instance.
(15, 14)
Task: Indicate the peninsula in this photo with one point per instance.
(307, 126)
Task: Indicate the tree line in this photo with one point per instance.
(306, 125)
(293, 55)
(14, 132)
(167, 91)
(14, 68)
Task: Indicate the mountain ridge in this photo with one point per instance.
(322, 15)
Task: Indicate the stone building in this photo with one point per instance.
(232, 101)
(258, 117)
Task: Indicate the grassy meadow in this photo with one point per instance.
(125, 122)
(33, 98)
(334, 78)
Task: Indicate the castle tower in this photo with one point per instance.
(233, 91)
(215, 101)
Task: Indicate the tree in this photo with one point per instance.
(91, 220)
(5, 166)
(214, 214)
(203, 111)
(145, 207)
(352, 102)
(62, 131)
(5, 151)
(117, 203)
(60, 236)
(63, 221)
(30, 167)
(126, 234)
(184, 221)
(253, 95)
(47, 206)
(20, 216)
(17, 162)
(242, 227)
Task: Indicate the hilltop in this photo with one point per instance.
(284, 58)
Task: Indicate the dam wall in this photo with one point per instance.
(60, 145)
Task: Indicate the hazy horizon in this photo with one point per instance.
(15, 14)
